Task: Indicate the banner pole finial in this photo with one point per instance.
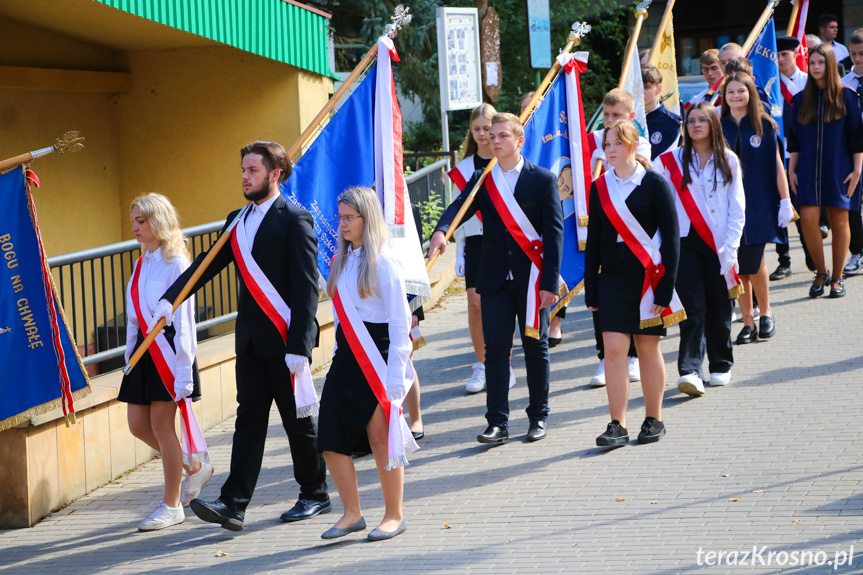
(400, 19)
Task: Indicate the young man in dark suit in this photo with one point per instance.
(283, 244)
(505, 272)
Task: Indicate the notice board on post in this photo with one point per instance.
(459, 58)
(539, 33)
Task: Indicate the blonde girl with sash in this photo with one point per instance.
(632, 217)
(371, 372)
(711, 205)
(166, 377)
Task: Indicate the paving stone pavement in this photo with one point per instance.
(773, 461)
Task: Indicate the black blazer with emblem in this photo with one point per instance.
(537, 194)
(285, 248)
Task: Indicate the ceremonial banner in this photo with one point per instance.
(547, 144)
(666, 61)
(38, 359)
(765, 69)
(798, 30)
(633, 84)
(342, 157)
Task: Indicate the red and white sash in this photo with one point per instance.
(580, 143)
(272, 304)
(389, 171)
(699, 215)
(788, 87)
(645, 248)
(191, 438)
(526, 237)
(400, 441)
(462, 173)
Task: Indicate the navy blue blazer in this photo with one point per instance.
(537, 193)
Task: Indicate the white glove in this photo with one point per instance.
(728, 258)
(786, 213)
(459, 265)
(164, 309)
(296, 363)
(182, 389)
(598, 156)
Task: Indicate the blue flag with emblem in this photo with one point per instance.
(546, 144)
(765, 69)
(38, 359)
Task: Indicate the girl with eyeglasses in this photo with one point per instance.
(825, 139)
(710, 202)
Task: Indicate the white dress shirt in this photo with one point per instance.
(511, 178)
(255, 217)
(389, 305)
(840, 51)
(852, 80)
(798, 78)
(628, 185)
(156, 276)
(725, 200)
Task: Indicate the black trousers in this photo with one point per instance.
(704, 296)
(855, 221)
(260, 380)
(499, 313)
(600, 346)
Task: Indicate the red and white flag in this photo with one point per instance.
(462, 173)
(799, 32)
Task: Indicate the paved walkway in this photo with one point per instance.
(771, 461)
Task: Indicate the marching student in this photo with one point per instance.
(753, 136)
(854, 80)
(825, 139)
(632, 217)
(663, 125)
(519, 271)
(711, 210)
(793, 80)
(167, 374)
(618, 104)
(274, 247)
(371, 370)
(712, 70)
(477, 155)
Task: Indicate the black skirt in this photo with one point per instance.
(143, 384)
(472, 250)
(619, 297)
(347, 401)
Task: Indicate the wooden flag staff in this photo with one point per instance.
(68, 143)
(400, 19)
(631, 48)
(657, 43)
(578, 30)
(795, 12)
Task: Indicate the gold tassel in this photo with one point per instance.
(419, 342)
(564, 301)
(582, 220)
(531, 332)
(736, 291)
(650, 322)
(674, 318)
(796, 215)
(582, 245)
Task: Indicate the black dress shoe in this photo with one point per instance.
(217, 512)
(493, 434)
(818, 290)
(781, 273)
(767, 327)
(554, 341)
(536, 431)
(840, 292)
(747, 335)
(615, 434)
(306, 509)
(418, 434)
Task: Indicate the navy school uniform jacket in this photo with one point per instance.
(663, 128)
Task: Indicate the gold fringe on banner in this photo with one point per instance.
(582, 220)
(38, 410)
(582, 245)
(564, 301)
(531, 332)
(736, 291)
(650, 322)
(674, 318)
(419, 343)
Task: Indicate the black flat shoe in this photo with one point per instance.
(554, 341)
(834, 293)
(818, 290)
(217, 512)
(781, 273)
(536, 431)
(614, 434)
(306, 509)
(418, 434)
(767, 327)
(493, 434)
(652, 430)
(747, 335)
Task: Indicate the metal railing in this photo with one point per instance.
(92, 283)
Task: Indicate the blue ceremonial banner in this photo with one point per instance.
(546, 144)
(765, 69)
(334, 163)
(31, 382)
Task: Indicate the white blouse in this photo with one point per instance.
(389, 305)
(727, 202)
(628, 185)
(156, 277)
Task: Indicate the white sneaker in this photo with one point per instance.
(720, 379)
(193, 484)
(598, 379)
(477, 380)
(162, 517)
(690, 384)
(512, 380)
(634, 369)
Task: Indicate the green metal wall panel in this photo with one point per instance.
(271, 28)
